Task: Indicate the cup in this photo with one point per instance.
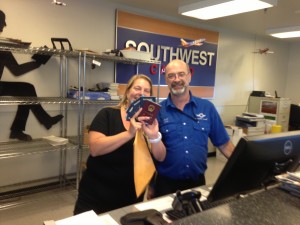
(276, 128)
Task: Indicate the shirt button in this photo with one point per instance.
(184, 124)
(187, 152)
(187, 166)
(185, 137)
(202, 128)
(167, 130)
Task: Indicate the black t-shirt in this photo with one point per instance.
(108, 180)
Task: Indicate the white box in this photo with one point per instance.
(132, 54)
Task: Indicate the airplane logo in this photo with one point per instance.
(264, 51)
(58, 3)
(197, 42)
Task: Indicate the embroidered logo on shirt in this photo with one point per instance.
(201, 116)
(166, 120)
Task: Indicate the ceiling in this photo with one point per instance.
(285, 14)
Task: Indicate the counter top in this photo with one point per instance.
(272, 206)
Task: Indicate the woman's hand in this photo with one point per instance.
(136, 122)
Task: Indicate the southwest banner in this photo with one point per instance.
(163, 40)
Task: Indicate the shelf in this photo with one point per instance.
(11, 149)
(9, 100)
(43, 190)
(100, 102)
(75, 54)
(118, 59)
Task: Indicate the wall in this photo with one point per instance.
(293, 78)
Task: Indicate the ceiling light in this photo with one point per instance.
(209, 9)
(286, 32)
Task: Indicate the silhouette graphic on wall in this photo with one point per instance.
(22, 89)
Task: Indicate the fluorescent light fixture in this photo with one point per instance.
(285, 32)
(209, 9)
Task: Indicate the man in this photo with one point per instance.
(22, 89)
(185, 122)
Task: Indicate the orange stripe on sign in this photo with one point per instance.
(138, 22)
(199, 91)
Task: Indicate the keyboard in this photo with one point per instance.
(178, 214)
(208, 205)
(175, 214)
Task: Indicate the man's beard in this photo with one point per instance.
(180, 91)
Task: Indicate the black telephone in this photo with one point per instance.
(188, 202)
(146, 217)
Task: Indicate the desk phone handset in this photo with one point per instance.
(188, 202)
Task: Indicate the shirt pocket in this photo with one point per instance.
(201, 132)
(169, 134)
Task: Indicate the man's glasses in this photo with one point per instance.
(172, 76)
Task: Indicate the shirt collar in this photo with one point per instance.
(171, 104)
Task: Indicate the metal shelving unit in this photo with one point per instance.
(14, 149)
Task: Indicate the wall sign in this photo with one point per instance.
(162, 39)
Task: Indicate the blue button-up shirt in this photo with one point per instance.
(185, 135)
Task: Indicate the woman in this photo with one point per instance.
(108, 181)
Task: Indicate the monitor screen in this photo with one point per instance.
(254, 163)
(268, 108)
(294, 119)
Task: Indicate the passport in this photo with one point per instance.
(150, 109)
(136, 105)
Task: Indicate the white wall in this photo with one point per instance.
(293, 78)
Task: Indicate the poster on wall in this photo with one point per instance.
(164, 41)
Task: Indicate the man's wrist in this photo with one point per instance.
(155, 140)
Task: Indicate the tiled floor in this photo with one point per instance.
(53, 205)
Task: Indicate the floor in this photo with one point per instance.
(56, 205)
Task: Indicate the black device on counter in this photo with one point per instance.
(146, 217)
(185, 204)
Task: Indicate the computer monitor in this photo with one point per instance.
(294, 120)
(254, 163)
(269, 109)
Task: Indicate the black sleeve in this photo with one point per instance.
(101, 122)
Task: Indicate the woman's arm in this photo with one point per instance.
(158, 148)
(101, 144)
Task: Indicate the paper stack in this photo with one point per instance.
(290, 182)
(55, 141)
(252, 125)
(113, 91)
(86, 218)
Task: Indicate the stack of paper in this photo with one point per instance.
(86, 218)
(290, 182)
(54, 141)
